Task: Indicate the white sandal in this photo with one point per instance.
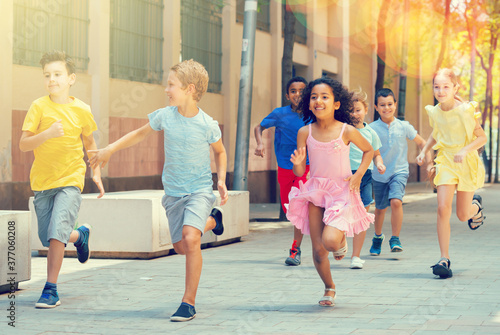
(328, 298)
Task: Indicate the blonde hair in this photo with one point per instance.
(360, 96)
(58, 56)
(191, 72)
(453, 78)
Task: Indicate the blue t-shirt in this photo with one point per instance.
(287, 123)
(356, 155)
(394, 150)
(187, 150)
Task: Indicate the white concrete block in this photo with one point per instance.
(15, 248)
(133, 224)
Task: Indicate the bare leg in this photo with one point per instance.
(55, 258)
(210, 224)
(320, 254)
(465, 208)
(445, 199)
(297, 236)
(191, 244)
(358, 240)
(396, 216)
(379, 220)
(333, 240)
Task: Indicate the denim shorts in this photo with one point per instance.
(393, 189)
(56, 211)
(190, 210)
(366, 188)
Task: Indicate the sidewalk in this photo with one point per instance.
(246, 288)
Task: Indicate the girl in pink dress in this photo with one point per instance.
(328, 206)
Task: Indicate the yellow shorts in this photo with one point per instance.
(468, 175)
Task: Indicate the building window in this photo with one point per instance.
(201, 34)
(136, 40)
(300, 26)
(43, 26)
(263, 16)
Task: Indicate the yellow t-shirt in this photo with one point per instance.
(59, 161)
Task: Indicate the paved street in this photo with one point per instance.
(246, 288)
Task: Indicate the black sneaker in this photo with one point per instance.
(294, 258)
(217, 215)
(442, 268)
(185, 312)
(82, 249)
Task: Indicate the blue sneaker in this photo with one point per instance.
(395, 244)
(185, 312)
(49, 299)
(377, 245)
(82, 249)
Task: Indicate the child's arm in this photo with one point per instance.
(221, 165)
(259, 151)
(29, 141)
(354, 136)
(378, 161)
(89, 144)
(128, 140)
(298, 158)
(425, 151)
(478, 142)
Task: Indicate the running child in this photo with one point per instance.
(187, 178)
(360, 106)
(287, 121)
(389, 188)
(456, 134)
(328, 206)
(52, 130)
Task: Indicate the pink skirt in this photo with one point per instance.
(344, 209)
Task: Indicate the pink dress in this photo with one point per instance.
(326, 188)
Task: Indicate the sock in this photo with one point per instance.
(379, 235)
(50, 286)
(185, 303)
(80, 239)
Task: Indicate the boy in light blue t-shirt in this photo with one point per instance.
(389, 188)
(187, 178)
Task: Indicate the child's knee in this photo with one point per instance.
(178, 248)
(319, 255)
(191, 238)
(463, 215)
(396, 203)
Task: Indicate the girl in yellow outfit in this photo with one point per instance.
(457, 135)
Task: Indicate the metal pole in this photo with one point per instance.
(240, 181)
(404, 62)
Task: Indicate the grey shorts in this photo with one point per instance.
(393, 189)
(56, 211)
(190, 210)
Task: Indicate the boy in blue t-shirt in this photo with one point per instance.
(187, 178)
(287, 122)
(389, 188)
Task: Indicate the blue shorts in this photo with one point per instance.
(190, 210)
(56, 211)
(393, 189)
(366, 188)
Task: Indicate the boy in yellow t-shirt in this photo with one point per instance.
(52, 129)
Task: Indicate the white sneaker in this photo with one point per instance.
(357, 263)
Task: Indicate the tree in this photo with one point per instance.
(288, 43)
(445, 35)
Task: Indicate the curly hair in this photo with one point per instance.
(340, 93)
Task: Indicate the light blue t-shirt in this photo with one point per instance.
(287, 123)
(187, 150)
(356, 155)
(394, 150)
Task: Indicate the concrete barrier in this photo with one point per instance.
(15, 251)
(133, 224)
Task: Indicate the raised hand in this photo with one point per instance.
(259, 151)
(55, 130)
(298, 156)
(221, 186)
(99, 157)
